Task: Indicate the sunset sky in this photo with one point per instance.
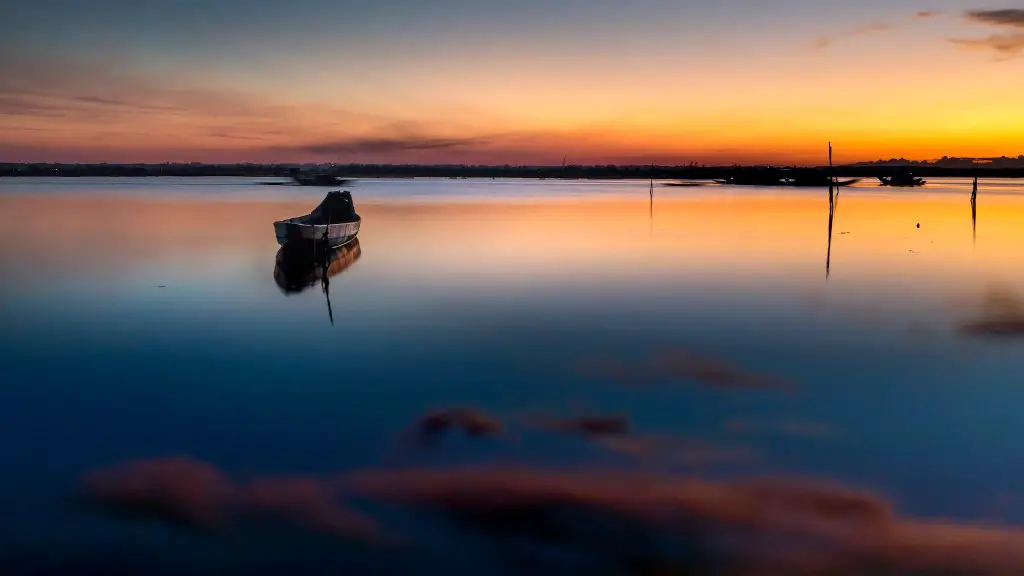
(526, 82)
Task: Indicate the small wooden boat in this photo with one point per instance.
(818, 182)
(683, 184)
(319, 180)
(903, 180)
(772, 176)
(333, 223)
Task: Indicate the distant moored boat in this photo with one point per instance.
(783, 177)
(334, 222)
(319, 180)
(905, 180)
(683, 184)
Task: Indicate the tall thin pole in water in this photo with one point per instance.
(974, 211)
(831, 213)
(831, 171)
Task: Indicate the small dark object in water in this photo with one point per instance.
(918, 224)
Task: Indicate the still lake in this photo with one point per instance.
(142, 319)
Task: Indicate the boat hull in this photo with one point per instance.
(320, 180)
(901, 183)
(825, 184)
(297, 232)
(790, 183)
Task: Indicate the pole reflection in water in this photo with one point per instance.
(651, 219)
(974, 211)
(833, 203)
(298, 267)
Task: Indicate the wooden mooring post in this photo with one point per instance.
(974, 211)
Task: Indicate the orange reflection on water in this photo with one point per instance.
(717, 233)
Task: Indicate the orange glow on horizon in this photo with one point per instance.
(781, 111)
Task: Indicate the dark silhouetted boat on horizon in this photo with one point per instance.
(772, 176)
(902, 179)
(320, 180)
(333, 223)
(817, 180)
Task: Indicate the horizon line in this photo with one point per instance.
(979, 160)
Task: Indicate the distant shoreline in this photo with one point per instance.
(352, 171)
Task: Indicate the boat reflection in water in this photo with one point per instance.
(301, 266)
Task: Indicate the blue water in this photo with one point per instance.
(151, 330)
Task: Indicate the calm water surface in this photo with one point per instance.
(142, 319)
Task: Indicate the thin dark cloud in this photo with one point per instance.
(93, 96)
(872, 28)
(124, 103)
(378, 145)
(14, 104)
(74, 87)
(1013, 17)
(234, 136)
(824, 41)
(1005, 46)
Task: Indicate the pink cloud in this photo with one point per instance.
(194, 495)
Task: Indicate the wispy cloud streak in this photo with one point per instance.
(1005, 46)
(824, 41)
(1009, 17)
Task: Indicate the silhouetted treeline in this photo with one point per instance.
(937, 171)
(952, 162)
(141, 170)
(691, 171)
